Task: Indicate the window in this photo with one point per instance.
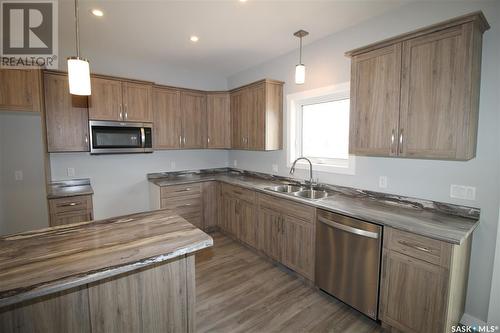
(318, 128)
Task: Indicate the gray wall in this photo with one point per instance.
(119, 181)
(21, 149)
(326, 65)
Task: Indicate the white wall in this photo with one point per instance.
(326, 65)
(21, 149)
(119, 181)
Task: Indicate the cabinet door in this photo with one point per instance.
(433, 94)
(218, 121)
(375, 92)
(298, 246)
(105, 103)
(238, 119)
(167, 119)
(270, 233)
(20, 90)
(247, 220)
(255, 117)
(137, 102)
(229, 218)
(194, 115)
(414, 293)
(66, 116)
(211, 197)
(84, 216)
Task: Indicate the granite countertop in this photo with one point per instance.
(441, 221)
(41, 262)
(69, 188)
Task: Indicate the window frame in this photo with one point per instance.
(295, 102)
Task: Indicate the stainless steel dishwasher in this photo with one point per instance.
(348, 255)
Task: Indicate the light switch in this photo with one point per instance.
(18, 175)
(70, 172)
(382, 181)
(463, 192)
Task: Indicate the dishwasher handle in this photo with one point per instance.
(352, 230)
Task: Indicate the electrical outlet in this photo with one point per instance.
(275, 168)
(70, 172)
(18, 175)
(463, 192)
(235, 163)
(172, 165)
(382, 181)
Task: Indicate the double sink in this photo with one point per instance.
(306, 192)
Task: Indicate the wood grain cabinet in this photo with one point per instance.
(185, 200)
(417, 95)
(120, 100)
(257, 116)
(194, 119)
(66, 116)
(167, 119)
(218, 120)
(424, 282)
(70, 210)
(211, 204)
(21, 90)
(287, 233)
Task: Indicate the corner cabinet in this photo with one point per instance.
(257, 116)
(21, 90)
(218, 121)
(417, 95)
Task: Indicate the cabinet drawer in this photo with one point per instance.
(238, 193)
(180, 190)
(72, 217)
(423, 248)
(287, 207)
(70, 204)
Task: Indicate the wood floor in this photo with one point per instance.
(238, 291)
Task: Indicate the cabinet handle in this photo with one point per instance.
(70, 204)
(126, 115)
(415, 246)
(392, 140)
(184, 140)
(180, 140)
(208, 140)
(86, 138)
(401, 142)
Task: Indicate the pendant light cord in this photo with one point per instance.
(300, 52)
(77, 30)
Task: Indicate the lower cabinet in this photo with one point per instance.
(424, 282)
(287, 233)
(68, 210)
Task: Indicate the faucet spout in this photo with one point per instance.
(292, 169)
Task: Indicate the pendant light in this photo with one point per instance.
(78, 68)
(300, 69)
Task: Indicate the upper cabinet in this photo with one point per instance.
(167, 118)
(218, 120)
(21, 90)
(194, 119)
(66, 116)
(257, 116)
(119, 100)
(417, 95)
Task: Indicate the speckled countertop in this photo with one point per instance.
(41, 262)
(69, 188)
(446, 222)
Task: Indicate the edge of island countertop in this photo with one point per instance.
(445, 222)
(18, 295)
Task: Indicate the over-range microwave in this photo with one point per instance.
(114, 137)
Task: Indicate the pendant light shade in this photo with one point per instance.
(300, 69)
(79, 76)
(78, 68)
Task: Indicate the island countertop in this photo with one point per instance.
(45, 261)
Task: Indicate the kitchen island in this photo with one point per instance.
(132, 273)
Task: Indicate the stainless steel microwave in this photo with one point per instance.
(114, 137)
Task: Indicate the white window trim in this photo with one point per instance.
(294, 104)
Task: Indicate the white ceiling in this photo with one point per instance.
(233, 35)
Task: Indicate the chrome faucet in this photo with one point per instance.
(292, 169)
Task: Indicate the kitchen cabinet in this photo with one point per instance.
(229, 215)
(287, 233)
(417, 95)
(424, 282)
(257, 116)
(185, 200)
(167, 120)
(66, 116)
(211, 203)
(218, 120)
(194, 117)
(21, 90)
(239, 214)
(70, 210)
(118, 100)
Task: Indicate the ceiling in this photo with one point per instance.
(233, 35)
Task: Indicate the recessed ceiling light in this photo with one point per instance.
(243, 0)
(194, 38)
(97, 12)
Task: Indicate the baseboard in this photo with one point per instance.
(468, 320)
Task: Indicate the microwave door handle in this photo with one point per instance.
(143, 138)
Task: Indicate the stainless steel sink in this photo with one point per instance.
(311, 194)
(286, 188)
